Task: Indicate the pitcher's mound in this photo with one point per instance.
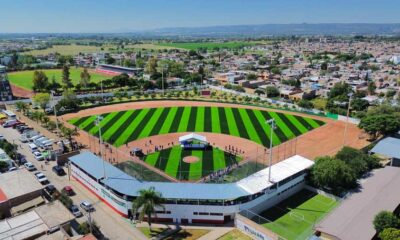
(190, 159)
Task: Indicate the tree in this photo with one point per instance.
(380, 124)
(65, 77)
(371, 88)
(69, 133)
(324, 66)
(40, 81)
(110, 60)
(85, 77)
(355, 159)
(151, 66)
(390, 234)
(305, 104)
(272, 91)
(23, 107)
(146, 203)
(42, 99)
(333, 174)
(340, 89)
(385, 219)
(359, 104)
(37, 116)
(251, 76)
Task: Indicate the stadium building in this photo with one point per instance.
(117, 70)
(192, 202)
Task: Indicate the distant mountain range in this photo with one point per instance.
(333, 29)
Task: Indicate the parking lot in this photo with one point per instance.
(111, 224)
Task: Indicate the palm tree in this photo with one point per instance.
(45, 120)
(69, 133)
(23, 107)
(37, 116)
(147, 202)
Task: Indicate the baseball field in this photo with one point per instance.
(119, 128)
(171, 161)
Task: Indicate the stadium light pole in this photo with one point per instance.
(98, 120)
(270, 122)
(347, 119)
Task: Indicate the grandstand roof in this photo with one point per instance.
(388, 147)
(120, 67)
(128, 185)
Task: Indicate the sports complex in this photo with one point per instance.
(194, 145)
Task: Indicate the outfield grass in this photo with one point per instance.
(24, 79)
(122, 127)
(170, 161)
(294, 217)
(239, 173)
(207, 45)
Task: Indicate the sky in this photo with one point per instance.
(78, 16)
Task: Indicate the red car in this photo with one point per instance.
(68, 190)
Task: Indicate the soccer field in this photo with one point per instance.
(24, 79)
(209, 161)
(122, 127)
(294, 217)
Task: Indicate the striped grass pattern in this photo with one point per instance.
(119, 128)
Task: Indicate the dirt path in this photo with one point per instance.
(21, 92)
(325, 140)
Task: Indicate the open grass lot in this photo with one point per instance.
(170, 161)
(24, 79)
(294, 217)
(122, 127)
(184, 234)
(207, 45)
(235, 235)
(72, 49)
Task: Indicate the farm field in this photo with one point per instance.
(294, 217)
(24, 79)
(209, 161)
(119, 128)
(207, 45)
(72, 49)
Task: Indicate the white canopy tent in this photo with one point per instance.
(193, 137)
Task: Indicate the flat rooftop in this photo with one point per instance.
(353, 218)
(17, 183)
(35, 223)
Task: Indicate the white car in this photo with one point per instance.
(41, 178)
(87, 206)
(30, 166)
(38, 156)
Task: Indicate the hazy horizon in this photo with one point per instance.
(119, 16)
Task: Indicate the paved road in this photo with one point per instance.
(111, 224)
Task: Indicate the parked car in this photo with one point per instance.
(50, 189)
(18, 124)
(68, 190)
(38, 156)
(75, 211)
(41, 178)
(30, 166)
(9, 123)
(87, 206)
(12, 169)
(59, 170)
(2, 137)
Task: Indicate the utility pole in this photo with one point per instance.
(347, 119)
(98, 120)
(58, 130)
(271, 122)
